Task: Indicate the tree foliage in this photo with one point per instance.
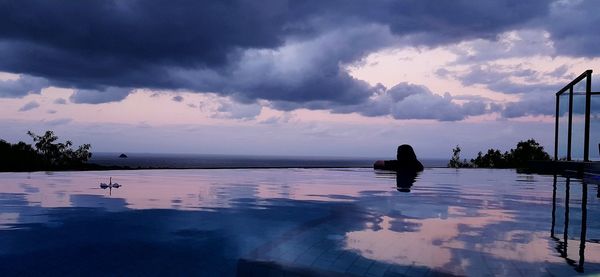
(59, 154)
(518, 157)
(46, 154)
(492, 159)
(529, 150)
(455, 161)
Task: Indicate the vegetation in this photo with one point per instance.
(455, 161)
(46, 154)
(518, 157)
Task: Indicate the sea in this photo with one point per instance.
(209, 161)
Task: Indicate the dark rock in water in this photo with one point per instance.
(122, 155)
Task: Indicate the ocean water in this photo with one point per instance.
(298, 222)
(147, 160)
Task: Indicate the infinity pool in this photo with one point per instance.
(292, 222)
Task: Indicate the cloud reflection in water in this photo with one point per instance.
(329, 221)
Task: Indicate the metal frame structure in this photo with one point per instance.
(588, 99)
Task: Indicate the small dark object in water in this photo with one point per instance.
(406, 160)
(122, 155)
(109, 185)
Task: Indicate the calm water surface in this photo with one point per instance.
(298, 222)
(146, 160)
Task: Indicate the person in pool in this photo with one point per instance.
(406, 161)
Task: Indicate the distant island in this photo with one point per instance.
(123, 156)
(518, 157)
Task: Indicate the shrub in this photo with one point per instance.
(518, 157)
(48, 154)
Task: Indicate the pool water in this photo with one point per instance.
(298, 222)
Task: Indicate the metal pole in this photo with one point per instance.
(556, 128)
(588, 100)
(570, 131)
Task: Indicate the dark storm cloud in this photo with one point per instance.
(539, 103)
(104, 95)
(60, 101)
(291, 53)
(520, 43)
(116, 43)
(573, 26)
(130, 43)
(561, 72)
(499, 78)
(409, 101)
(534, 90)
(237, 111)
(29, 106)
(22, 86)
(530, 104)
(183, 32)
(298, 74)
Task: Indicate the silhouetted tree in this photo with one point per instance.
(48, 154)
(493, 158)
(518, 157)
(455, 161)
(57, 154)
(529, 150)
(15, 157)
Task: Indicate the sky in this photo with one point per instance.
(274, 77)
